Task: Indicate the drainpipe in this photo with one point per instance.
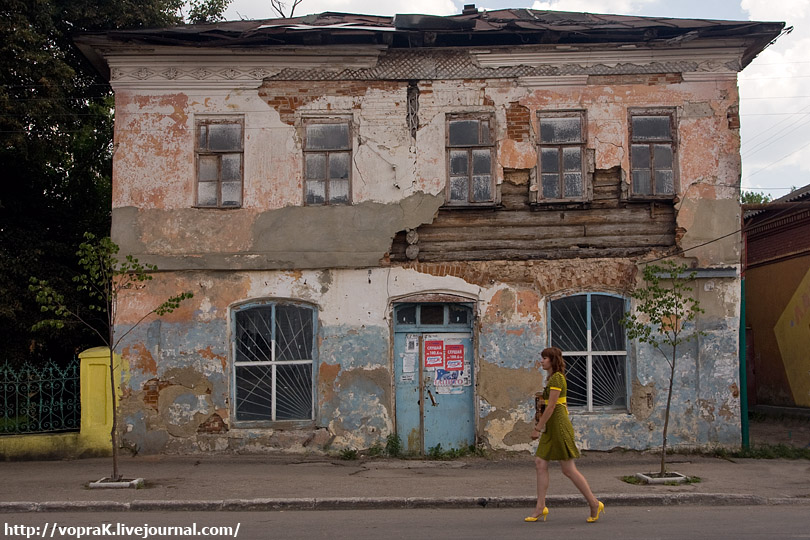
(743, 370)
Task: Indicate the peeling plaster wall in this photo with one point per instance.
(177, 382)
(178, 370)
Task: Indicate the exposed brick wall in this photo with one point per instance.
(784, 237)
(151, 392)
(650, 79)
(518, 122)
(214, 424)
(287, 97)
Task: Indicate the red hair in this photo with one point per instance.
(554, 354)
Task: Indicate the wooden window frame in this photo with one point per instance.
(672, 141)
(469, 203)
(349, 149)
(587, 176)
(203, 152)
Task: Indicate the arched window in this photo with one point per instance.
(587, 329)
(274, 349)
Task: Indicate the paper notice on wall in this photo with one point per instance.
(450, 389)
(454, 357)
(434, 354)
(447, 378)
(407, 377)
(412, 343)
(409, 362)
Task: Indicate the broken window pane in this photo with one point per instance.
(459, 162)
(482, 188)
(339, 165)
(549, 160)
(663, 156)
(464, 132)
(207, 194)
(406, 315)
(641, 182)
(316, 192)
(339, 192)
(458, 314)
(640, 156)
(202, 136)
(231, 167)
(573, 184)
(572, 159)
(561, 130)
(280, 338)
(223, 137)
(664, 182)
(231, 193)
(551, 186)
(327, 136)
(431, 314)
(208, 169)
(651, 128)
(316, 166)
(482, 161)
(459, 188)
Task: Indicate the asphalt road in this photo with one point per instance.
(627, 522)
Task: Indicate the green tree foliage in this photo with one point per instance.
(56, 124)
(664, 306)
(104, 275)
(754, 197)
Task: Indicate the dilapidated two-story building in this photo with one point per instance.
(385, 219)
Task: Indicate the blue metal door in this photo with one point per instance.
(433, 366)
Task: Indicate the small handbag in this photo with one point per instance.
(539, 406)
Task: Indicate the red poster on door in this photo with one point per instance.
(454, 357)
(434, 354)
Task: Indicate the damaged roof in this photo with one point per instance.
(471, 28)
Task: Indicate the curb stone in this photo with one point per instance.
(354, 503)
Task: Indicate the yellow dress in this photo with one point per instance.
(557, 441)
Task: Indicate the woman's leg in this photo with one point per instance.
(570, 470)
(542, 484)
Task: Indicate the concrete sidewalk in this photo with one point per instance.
(249, 482)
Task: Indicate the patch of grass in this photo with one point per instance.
(349, 454)
(437, 452)
(766, 451)
(632, 479)
(393, 445)
(376, 450)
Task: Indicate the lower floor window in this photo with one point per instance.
(587, 329)
(273, 368)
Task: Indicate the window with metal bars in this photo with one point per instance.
(587, 329)
(470, 152)
(274, 349)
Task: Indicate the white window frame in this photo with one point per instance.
(589, 353)
(273, 363)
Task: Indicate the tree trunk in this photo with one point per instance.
(666, 417)
(114, 432)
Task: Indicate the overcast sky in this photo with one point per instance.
(774, 88)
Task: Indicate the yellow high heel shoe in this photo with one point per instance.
(599, 510)
(543, 514)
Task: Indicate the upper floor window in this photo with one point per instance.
(652, 152)
(327, 162)
(562, 169)
(470, 160)
(219, 154)
(587, 329)
(274, 350)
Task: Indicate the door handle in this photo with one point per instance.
(432, 401)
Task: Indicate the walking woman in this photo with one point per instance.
(557, 438)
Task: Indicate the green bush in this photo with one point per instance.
(393, 445)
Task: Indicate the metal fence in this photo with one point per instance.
(40, 399)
